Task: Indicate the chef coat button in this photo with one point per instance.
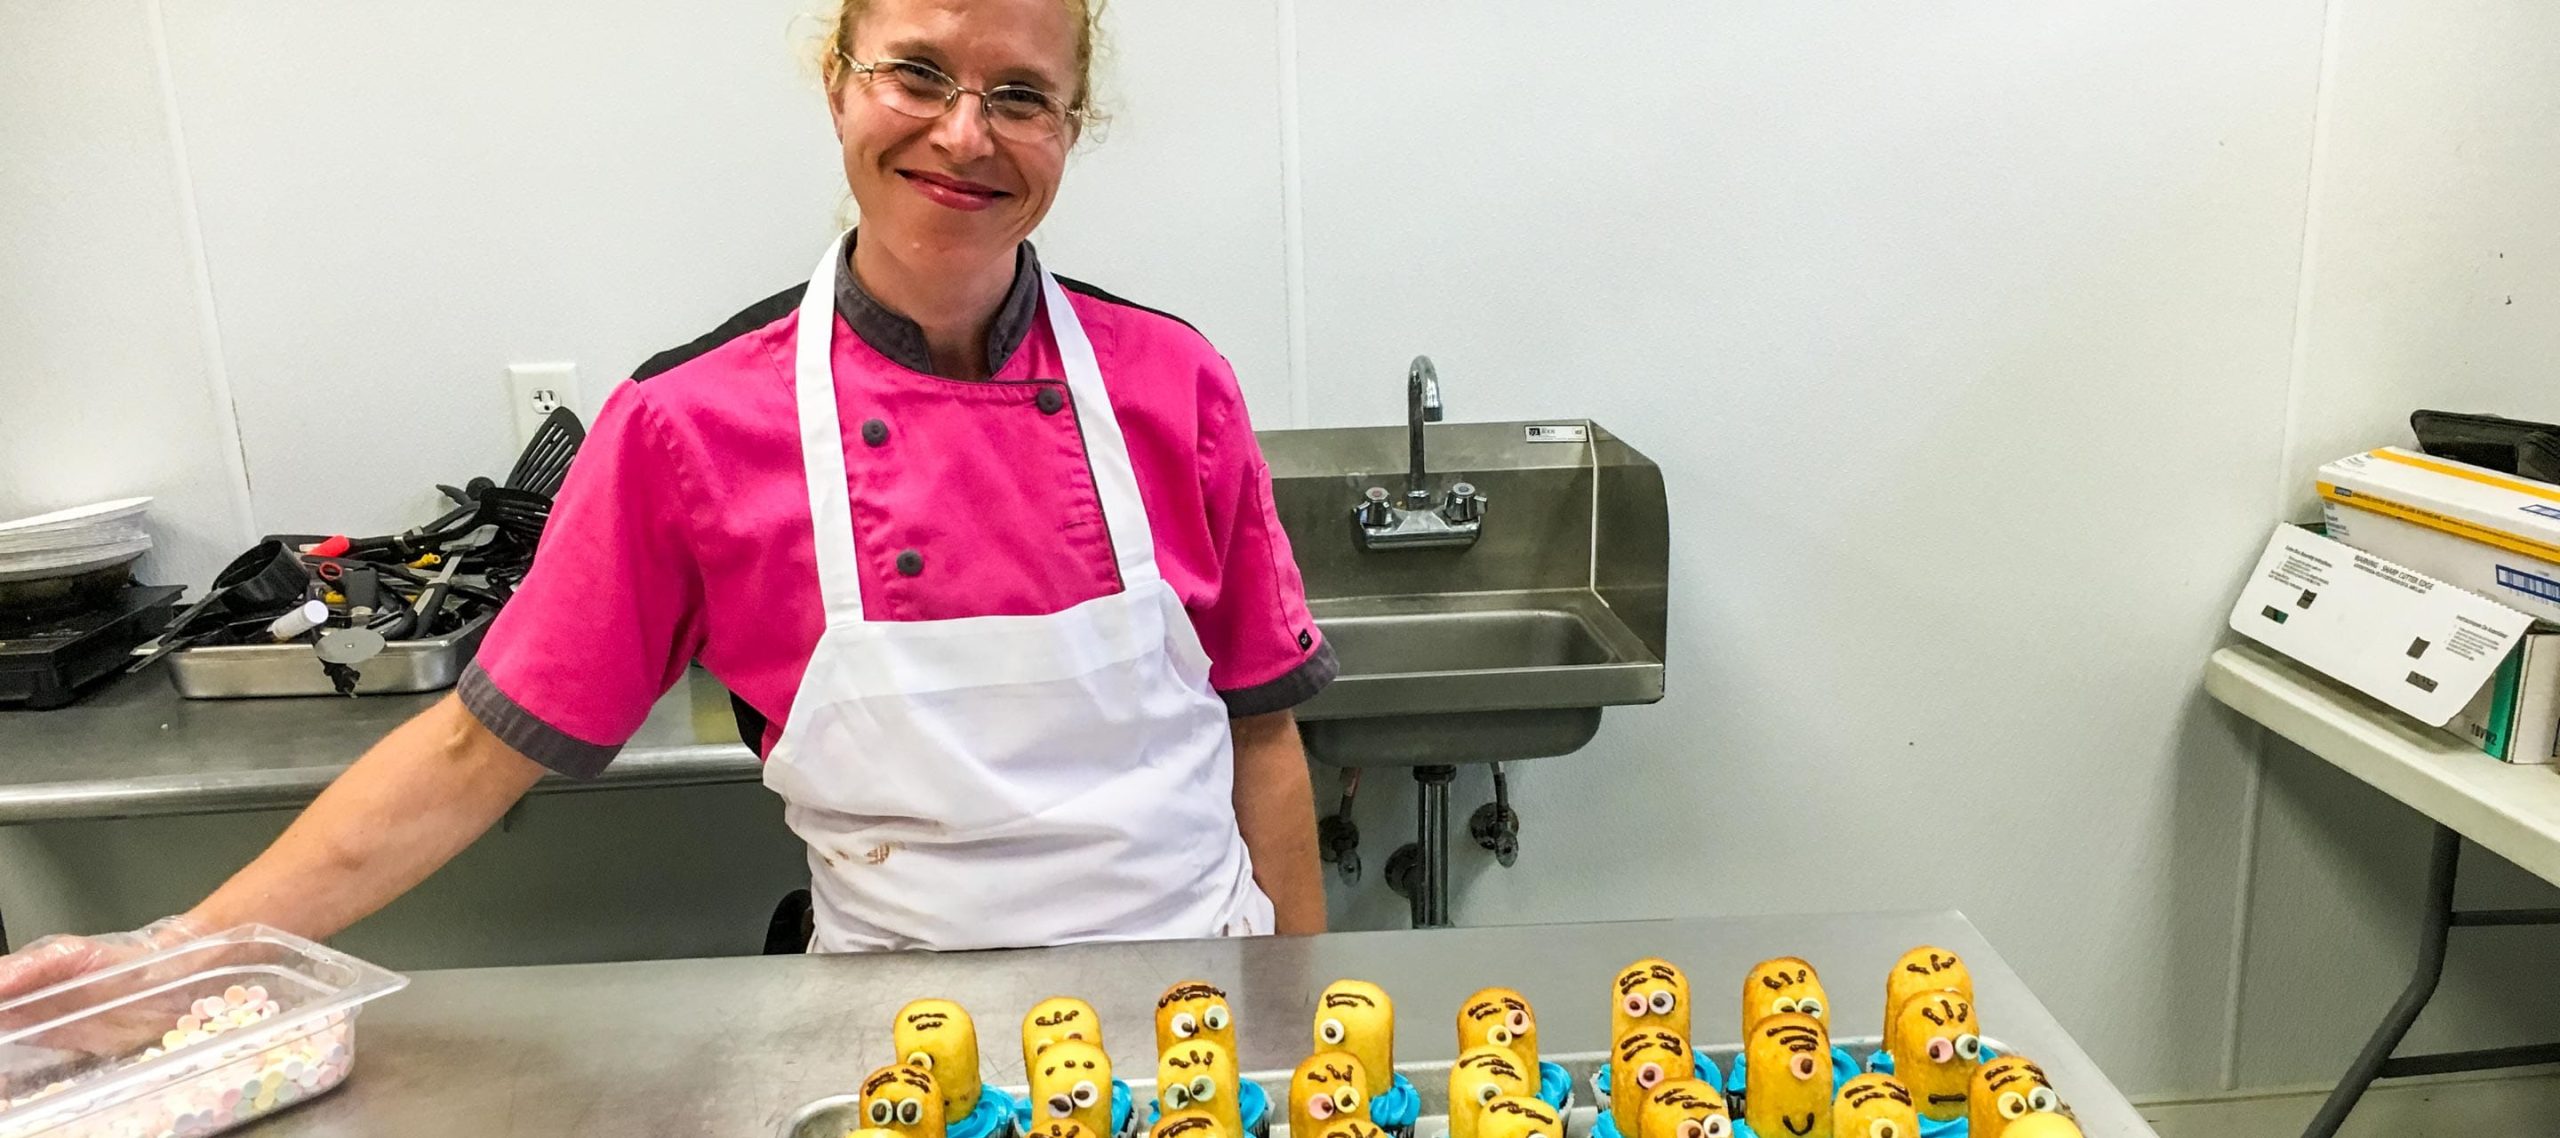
(910, 563)
(1050, 400)
(875, 432)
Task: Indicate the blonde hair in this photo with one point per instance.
(835, 44)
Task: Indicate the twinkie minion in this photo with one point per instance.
(1501, 1017)
(1519, 1116)
(1194, 1009)
(1057, 1018)
(1356, 1016)
(1639, 1062)
(904, 1100)
(1327, 1086)
(939, 1036)
(1070, 1080)
(1927, 968)
(1790, 1058)
(1200, 1075)
(2005, 1090)
(1937, 1051)
(1874, 1106)
(1650, 993)
(1480, 1076)
(1777, 987)
(1685, 1108)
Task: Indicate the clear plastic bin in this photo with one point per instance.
(128, 1052)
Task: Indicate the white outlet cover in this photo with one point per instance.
(534, 390)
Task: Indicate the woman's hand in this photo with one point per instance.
(54, 959)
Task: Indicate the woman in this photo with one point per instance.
(1022, 646)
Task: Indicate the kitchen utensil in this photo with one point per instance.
(544, 465)
(268, 577)
(301, 619)
(256, 670)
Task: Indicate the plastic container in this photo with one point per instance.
(194, 1040)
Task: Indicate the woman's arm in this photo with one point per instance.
(1276, 809)
(428, 789)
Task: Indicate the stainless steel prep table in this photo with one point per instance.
(734, 1046)
(136, 750)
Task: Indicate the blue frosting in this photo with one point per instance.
(1252, 1105)
(1120, 1099)
(1882, 1061)
(1396, 1111)
(1843, 1069)
(992, 1118)
(1700, 1067)
(1555, 1088)
(1604, 1126)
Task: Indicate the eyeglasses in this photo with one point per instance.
(918, 90)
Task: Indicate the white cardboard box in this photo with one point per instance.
(2404, 638)
(2494, 534)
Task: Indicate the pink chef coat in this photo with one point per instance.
(684, 530)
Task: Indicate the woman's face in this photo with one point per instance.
(950, 189)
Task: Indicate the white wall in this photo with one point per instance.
(1897, 295)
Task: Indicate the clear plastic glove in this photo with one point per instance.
(54, 959)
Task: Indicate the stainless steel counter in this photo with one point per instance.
(734, 1046)
(136, 749)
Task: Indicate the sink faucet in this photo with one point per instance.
(1382, 523)
(1421, 405)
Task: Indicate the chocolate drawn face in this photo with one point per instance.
(2005, 1090)
(1481, 1076)
(904, 1100)
(1685, 1108)
(1193, 1010)
(1519, 1116)
(1790, 1059)
(1650, 993)
(1071, 1081)
(1328, 1087)
(1357, 1017)
(1778, 987)
(1874, 1106)
(1500, 1017)
(1939, 1053)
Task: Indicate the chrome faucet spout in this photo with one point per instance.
(1421, 405)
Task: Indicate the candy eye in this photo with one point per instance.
(1347, 1099)
(1488, 1092)
(2012, 1104)
(1692, 1128)
(1500, 1037)
(1782, 1005)
(1648, 1075)
(2043, 1099)
(1060, 1106)
(1330, 1032)
(1941, 1049)
(1883, 1128)
(1184, 1027)
(910, 1112)
(1176, 1097)
(1518, 1022)
(1801, 1066)
(1320, 1106)
(1810, 1006)
(1969, 1046)
(1716, 1126)
(1215, 1018)
(881, 1112)
(1663, 1002)
(1634, 1003)
(1085, 1094)
(1203, 1089)
(920, 1059)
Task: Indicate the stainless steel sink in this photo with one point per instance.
(1473, 677)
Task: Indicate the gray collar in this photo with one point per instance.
(893, 335)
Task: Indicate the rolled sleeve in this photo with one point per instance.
(610, 613)
(1265, 652)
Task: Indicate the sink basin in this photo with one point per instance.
(1506, 649)
(1479, 677)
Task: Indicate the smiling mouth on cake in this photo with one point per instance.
(1792, 1128)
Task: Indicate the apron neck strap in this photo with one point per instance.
(1115, 478)
(822, 440)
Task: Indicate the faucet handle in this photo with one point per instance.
(1374, 509)
(1463, 505)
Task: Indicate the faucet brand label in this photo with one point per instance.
(1559, 433)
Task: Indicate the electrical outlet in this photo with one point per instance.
(536, 390)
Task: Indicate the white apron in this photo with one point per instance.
(1003, 781)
